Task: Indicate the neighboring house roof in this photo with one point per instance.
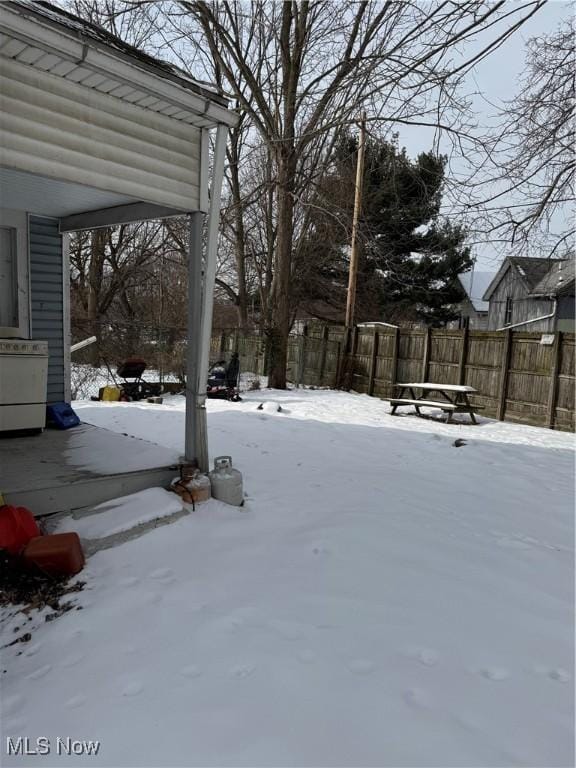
(558, 281)
(530, 271)
(51, 14)
(475, 284)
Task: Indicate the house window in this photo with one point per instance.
(508, 311)
(8, 279)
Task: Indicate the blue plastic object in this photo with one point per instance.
(62, 416)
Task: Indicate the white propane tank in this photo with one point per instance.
(226, 481)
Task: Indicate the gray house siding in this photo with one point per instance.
(476, 321)
(565, 314)
(523, 307)
(47, 298)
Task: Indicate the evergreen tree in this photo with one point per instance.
(410, 254)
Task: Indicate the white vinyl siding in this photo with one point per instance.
(56, 128)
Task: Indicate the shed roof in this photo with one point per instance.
(475, 284)
(559, 279)
(531, 270)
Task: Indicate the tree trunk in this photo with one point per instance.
(95, 275)
(280, 295)
(240, 236)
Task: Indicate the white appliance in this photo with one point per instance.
(23, 384)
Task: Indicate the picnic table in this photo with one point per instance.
(450, 398)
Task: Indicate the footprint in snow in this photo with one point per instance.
(495, 673)
(428, 657)
(243, 670)
(72, 661)
(129, 581)
(33, 650)
(559, 674)
(191, 671)
(133, 689)
(417, 698)
(40, 672)
(76, 701)
(165, 575)
(361, 666)
(323, 549)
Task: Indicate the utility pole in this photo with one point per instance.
(353, 272)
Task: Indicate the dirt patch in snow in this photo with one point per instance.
(34, 590)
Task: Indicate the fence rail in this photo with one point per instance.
(519, 377)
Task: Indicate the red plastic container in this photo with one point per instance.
(17, 528)
(59, 554)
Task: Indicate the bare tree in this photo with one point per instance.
(301, 70)
(534, 151)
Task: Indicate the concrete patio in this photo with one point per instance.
(59, 471)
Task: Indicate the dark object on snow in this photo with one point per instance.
(17, 528)
(134, 387)
(261, 408)
(32, 589)
(459, 442)
(223, 380)
(62, 416)
(58, 554)
(233, 371)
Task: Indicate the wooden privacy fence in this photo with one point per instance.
(518, 377)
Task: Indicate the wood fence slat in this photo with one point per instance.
(553, 395)
(373, 362)
(323, 350)
(504, 371)
(395, 356)
(426, 357)
(463, 357)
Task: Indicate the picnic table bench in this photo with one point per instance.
(452, 398)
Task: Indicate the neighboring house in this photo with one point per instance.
(473, 310)
(93, 133)
(532, 294)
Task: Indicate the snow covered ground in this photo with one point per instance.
(384, 598)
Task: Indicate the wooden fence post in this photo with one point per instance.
(338, 365)
(373, 362)
(426, 360)
(323, 351)
(395, 355)
(463, 357)
(302, 356)
(504, 374)
(554, 374)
